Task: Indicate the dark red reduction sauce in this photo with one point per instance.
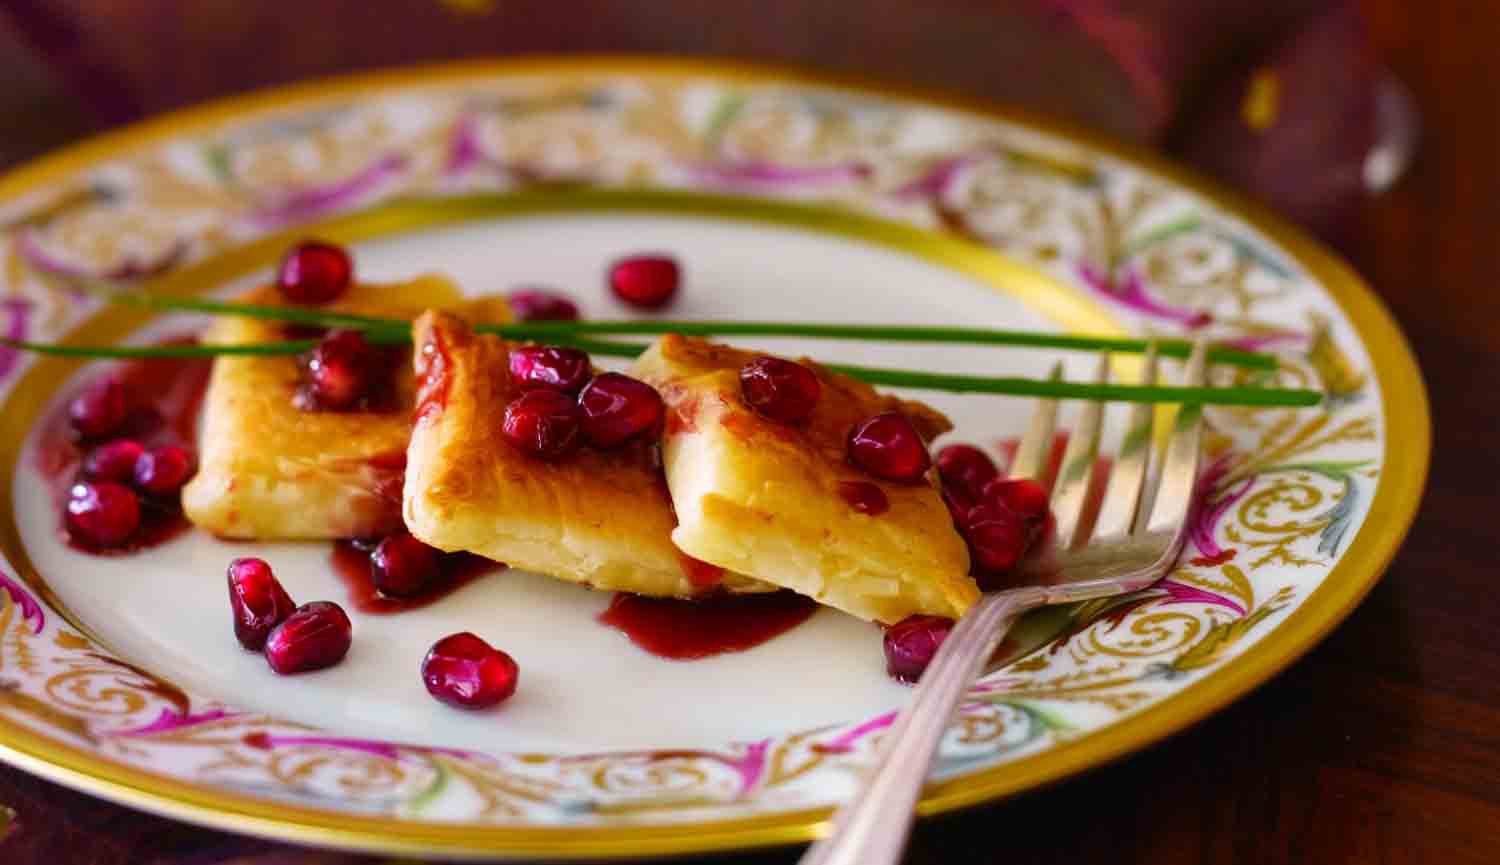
(164, 396)
(351, 563)
(864, 497)
(683, 630)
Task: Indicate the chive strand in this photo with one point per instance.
(558, 330)
(951, 382)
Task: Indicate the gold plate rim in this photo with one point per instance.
(1390, 515)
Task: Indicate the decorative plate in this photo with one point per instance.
(785, 197)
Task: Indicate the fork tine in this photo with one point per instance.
(1036, 446)
(1179, 471)
(1070, 492)
(1121, 499)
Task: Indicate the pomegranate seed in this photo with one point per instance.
(102, 514)
(317, 635)
(464, 671)
(911, 643)
(547, 366)
(780, 389)
(162, 471)
(617, 408)
(544, 423)
(1023, 497)
(538, 304)
(314, 273)
(257, 601)
(997, 539)
(402, 566)
(889, 447)
(339, 371)
(99, 410)
(114, 461)
(959, 505)
(965, 468)
(645, 281)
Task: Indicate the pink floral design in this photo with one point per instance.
(318, 201)
(1130, 291)
(18, 313)
(30, 609)
(169, 720)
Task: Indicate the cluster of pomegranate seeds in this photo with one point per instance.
(1000, 518)
(911, 644)
(550, 367)
(539, 304)
(163, 471)
(645, 281)
(293, 639)
(112, 461)
(99, 411)
(257, 602)
(339, 373)
(617, 408)
(781, 390)
(544, 423)
(997, 539)
(466, 672)
(890, 448)
(965, 470)
(314, 273)
(1024, 498)
(403, 567)
(317, 635)
(101, 514)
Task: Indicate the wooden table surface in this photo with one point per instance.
(1383, 744)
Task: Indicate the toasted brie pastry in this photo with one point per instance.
(269, 470)
(601, 518)
(767, 499)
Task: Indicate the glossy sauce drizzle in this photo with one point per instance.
(683, 630)
(351, 563)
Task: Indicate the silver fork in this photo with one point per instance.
(1134, 541)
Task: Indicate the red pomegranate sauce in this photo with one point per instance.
(685, 630)
(352, 566)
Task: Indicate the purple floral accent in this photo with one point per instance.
(129, 270)
(18, 325)
(30, 608)
(169, 720)
(314, 202)
(759, 176)
(1182, 593)
(1130, 292)
(388, 750)
(937, 181)
(464, 149)
(751, 767)
(844, 742)
(1204, 522)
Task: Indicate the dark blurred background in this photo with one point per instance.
(1383, 744)
(1278, 96)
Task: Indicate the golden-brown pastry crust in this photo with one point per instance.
(764, 498)
(268, 470)
(600, 518)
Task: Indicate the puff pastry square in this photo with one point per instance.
(268, 470)
(599, 518)
(763, 498)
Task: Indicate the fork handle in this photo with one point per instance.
(871, 828)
